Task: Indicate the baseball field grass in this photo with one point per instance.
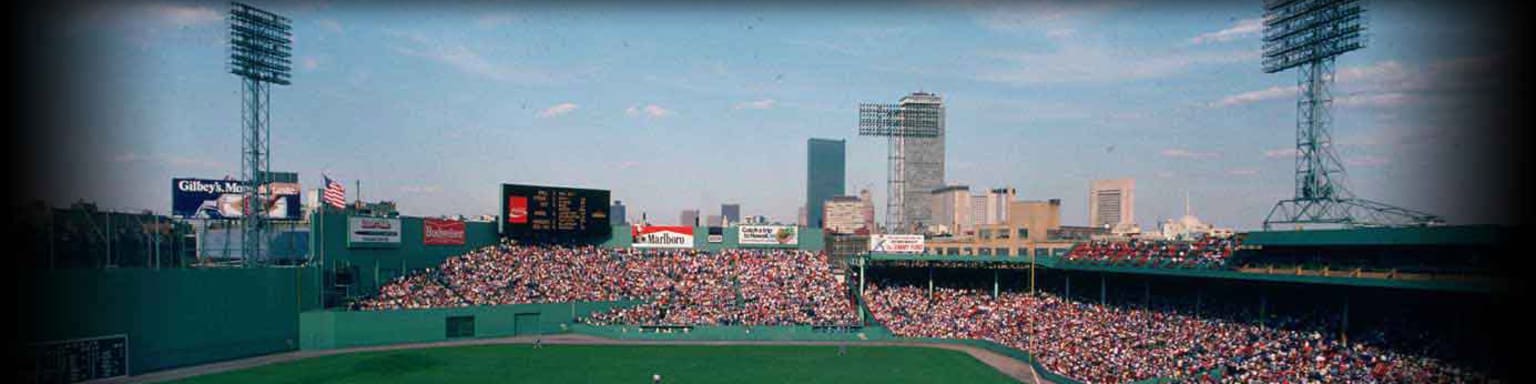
(522, 363)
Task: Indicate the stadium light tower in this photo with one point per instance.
(260, 45)
(1308, 35)
(898, 123)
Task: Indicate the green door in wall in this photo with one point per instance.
(526, 323)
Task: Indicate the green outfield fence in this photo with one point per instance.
(172, 317)
(344, 329)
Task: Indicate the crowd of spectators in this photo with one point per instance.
(1203, 252)
(678, 287)
(1115, 344)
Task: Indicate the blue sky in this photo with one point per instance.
(675, 107)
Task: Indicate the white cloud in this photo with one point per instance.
(1278, 153)
(1380, 100)
(468, 60)
(330, 25)
(1379, 85)
(186, 16)
(649, 110)
(1240, 29)
(182, 162)
(418, 189)
(495, 19)
(1182, 153)
(1365, 161)
(1271, 93)
(310, 63)
(1075, 61)
(557, 110)
(759, 104)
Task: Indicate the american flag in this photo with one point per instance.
(335, 193)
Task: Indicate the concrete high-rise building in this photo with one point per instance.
(826, 167)
(868, 209)
(951, 210)
(731, 212)
(844, 215)
(923, 164)
(1112, 203)
(616, 213)
(997, 203)
(689, 217)
(800, 217)
(713, 221)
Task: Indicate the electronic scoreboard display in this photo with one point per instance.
(537, 213)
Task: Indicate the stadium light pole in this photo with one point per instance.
(1309, 35)
(260, 45)
(897, 122)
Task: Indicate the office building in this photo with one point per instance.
(616, 213)
(1112, 203)
(731, 213)
(689, 217)
(824, 177)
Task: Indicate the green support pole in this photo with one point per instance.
(1263, 306)
(1103, 289)
(1199, 296)
(1031, 273)
(930, 281)
(1344, 323)
(994, 283)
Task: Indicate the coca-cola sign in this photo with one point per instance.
(442, 232)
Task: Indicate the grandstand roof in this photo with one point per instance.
(1452, 235)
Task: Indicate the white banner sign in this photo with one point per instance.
(767, 235)
(373, 231)
(896, 244)
(657, 236)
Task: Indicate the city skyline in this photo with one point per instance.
(675, 108)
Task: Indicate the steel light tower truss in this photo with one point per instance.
(1309, 35)
(260, 45)
(897, 122)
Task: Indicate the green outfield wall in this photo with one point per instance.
(172, 317)
(343, 329)
(372, 266)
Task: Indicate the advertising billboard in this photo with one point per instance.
(661, 236)
(774, 235)
(373, 232)
(442, 232)
(225, 199)
(896, 244)
(716, 235)
(544, 213)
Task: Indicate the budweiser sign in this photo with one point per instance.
(442, 232)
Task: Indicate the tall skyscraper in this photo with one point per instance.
(689, 217)
(731, 212)
(923, 170)
(616, 213)
(826, 166)
(1112, 202)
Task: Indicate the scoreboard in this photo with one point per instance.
(78, 360)
(553, 214)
